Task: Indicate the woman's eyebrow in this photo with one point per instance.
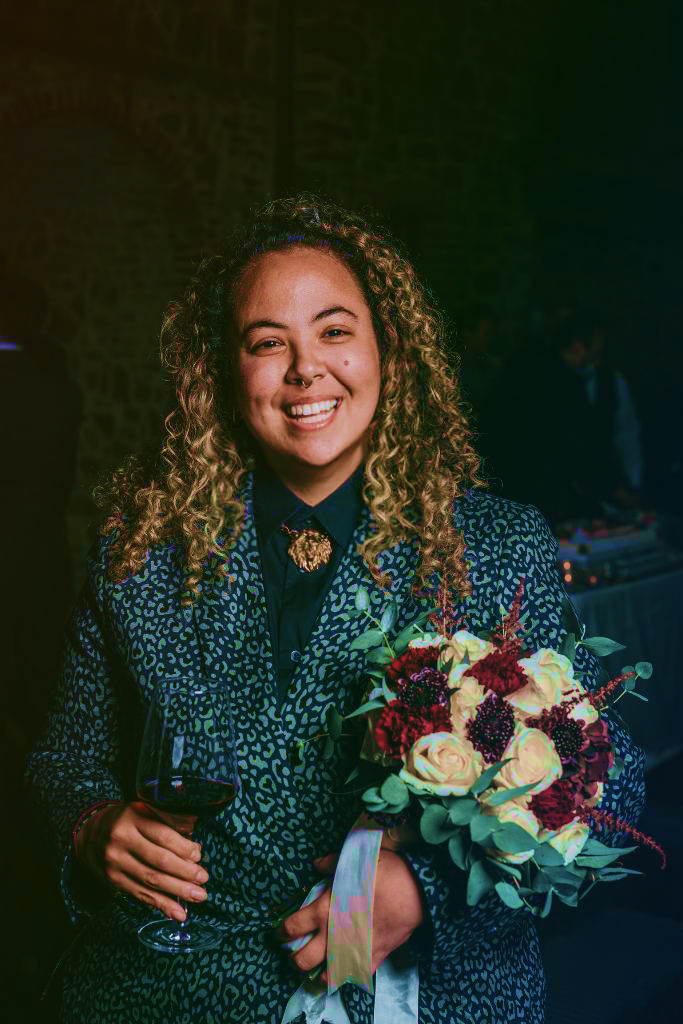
(255, 324)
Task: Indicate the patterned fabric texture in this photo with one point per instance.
(476, 964)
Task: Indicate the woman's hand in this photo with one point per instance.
(397, 913)
(127, 846)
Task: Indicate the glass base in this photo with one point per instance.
(179, 937)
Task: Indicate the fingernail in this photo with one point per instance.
(198, 894)
(201, 876)
(177, 914)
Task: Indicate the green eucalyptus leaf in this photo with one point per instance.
(371, 638)
(601, 645)
(512, 838)
(479, 883)
(371, 705)
(378, 656)
(334, 722)
(635, 693)
(487, 777)
(461, 810)
(568, 647)
(457, 849)
(394, 791)
(509, 869)
(389, 616)
(629, 684)
(617, 768)
(509, 895)
(482, 826)
(362, 599)
(548, 903)
(570, 898)
(501, 796)
(546, 854)
(354, 775)
(328, 748)
(389, 695)
(644, 669)
(541, 882)
(435, 826)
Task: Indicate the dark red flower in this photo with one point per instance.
(555, 806)
(399, 726)
(597, 754)
(426, 687)
(492, 727)
(412, 661)
(499, 672)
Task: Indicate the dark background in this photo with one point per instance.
(527, 152)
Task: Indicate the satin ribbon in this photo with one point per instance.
(349, 942)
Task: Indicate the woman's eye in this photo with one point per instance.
(337, 331)
(268, 341)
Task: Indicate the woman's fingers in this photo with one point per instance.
(129, 848)
(311, 919)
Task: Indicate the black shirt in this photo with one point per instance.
(294, 596)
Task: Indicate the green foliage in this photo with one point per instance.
(482, 826)
(503, 795)
(644, 669)
(435, 825)
(362, 599)
(334, 722)
(601, 645)
(568, 647)
(479, 883)
(389, 616)
(458, 849)
(394, 791)
(328, 748)
(487, 777)
(547, 855)
(509, 895)
(366, 640)
(511, 838)
(461, 809)
(371, 705)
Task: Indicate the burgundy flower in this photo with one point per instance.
(499, 672)
(414, 659)
(399, 726)
(492, 727)
(597, 754)
(555, 806)
(424, 688)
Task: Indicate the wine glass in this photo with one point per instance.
(187, 768)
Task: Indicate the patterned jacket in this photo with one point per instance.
(477, 964)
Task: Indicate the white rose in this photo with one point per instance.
(534, 759)
(551, 677)
(442, 764)
(464, 703)
(464, 648)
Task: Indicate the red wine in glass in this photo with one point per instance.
(187, 771)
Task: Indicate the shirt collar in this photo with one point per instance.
(275, 504)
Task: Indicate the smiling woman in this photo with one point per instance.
(318, 452)
(313, 442)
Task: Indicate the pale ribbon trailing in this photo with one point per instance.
(349, 945)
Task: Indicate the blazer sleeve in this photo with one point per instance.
(75, 764)
(528, 549)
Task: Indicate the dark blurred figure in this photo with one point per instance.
(572, 445)
(40, 414)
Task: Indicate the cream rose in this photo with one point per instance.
(442, 764)
(568, 840)
(464, 703)
(534, 759)
(463, 645)
(551, 678)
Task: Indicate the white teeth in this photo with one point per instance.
(312, 410)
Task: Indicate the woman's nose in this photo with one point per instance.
(306, 362)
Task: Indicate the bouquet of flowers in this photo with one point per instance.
(495, 750)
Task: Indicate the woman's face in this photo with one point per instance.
(302, 314)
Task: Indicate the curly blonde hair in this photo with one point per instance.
(420, 452)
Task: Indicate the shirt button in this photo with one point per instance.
(295, 655)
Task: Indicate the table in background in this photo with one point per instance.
(647, 616)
